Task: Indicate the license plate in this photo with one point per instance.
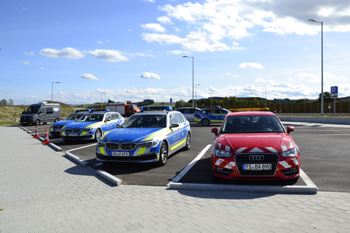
(257, 167)
(120, 153)
(73, 134)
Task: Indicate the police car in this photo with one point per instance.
(55, 128)
(255, 146)
(146, 137)
(211, 115)
(92, 125)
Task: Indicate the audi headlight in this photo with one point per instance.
(151, 143)
(222, 153)
(290, 153)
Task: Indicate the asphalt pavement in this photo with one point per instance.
(41, 190)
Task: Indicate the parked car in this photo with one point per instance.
(41, 113)
(211, 115)
(188, 112)
(254, 145)
(92, 125)
(146, 137)
(55, 128)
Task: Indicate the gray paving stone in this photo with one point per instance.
(42, 191)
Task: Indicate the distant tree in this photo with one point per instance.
(326, 97)
(110, 101)
(11, 102)
(3, 102)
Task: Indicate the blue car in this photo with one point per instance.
(55, 128)
(146, 137)
(92, 125)
(211, 115)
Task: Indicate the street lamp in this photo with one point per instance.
(196, 94)
(52, 91)
(192, 78)
(321, 22)
(101, 99)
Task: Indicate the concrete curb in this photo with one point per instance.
(76, 159)
(310, 187)
(113, 179)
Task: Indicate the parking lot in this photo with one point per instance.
(324, 161)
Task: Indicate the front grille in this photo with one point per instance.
(268, 159)
(73, 130)
(122, 146)
(112, 146)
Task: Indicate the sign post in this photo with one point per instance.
(334, 95)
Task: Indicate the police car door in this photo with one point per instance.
(178, 134)
(107, 122)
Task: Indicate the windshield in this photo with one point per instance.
(145, 121)
(33, 109)
(92, 117)
(252, 124)
(74, 116)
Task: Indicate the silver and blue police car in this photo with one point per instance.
(92, 125)
(55, 128)
(211, 115)
(146, 137)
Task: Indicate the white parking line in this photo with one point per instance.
(191, 164)
(81, 147)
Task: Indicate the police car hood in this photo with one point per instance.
(263, 142)
(134, 134)
(81, 124)
(63, 122)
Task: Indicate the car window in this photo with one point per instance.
(252, 124)
(145, 121)
(172, 119)
(178, 118)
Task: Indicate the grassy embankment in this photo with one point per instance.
(9, 114)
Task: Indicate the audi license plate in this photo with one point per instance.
(120, 153)
(257, 167)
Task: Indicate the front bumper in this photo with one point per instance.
(144, 158)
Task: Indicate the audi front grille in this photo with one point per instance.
(265, 159)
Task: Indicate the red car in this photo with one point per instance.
(254, 146)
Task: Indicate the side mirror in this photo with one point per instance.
(174, 125)
(117, 126)
(290, 129)
(214, 130)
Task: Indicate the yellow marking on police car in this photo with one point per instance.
(83, 133)
(155, 134)
(142, 150)
(95, 124)
(179, 144)
(102, 150)
(63, 133)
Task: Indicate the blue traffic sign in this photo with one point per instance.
(334, 92)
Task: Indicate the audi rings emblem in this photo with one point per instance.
(256, 157)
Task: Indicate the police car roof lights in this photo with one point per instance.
(99, 110)
(82, 110)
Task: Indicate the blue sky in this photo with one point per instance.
(133, 49)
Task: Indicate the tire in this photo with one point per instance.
(205, 122)
(163, 154)
(98, 134)
(188, 141)
(37, 122)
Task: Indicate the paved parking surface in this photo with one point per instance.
(43, 192)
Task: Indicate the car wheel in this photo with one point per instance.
(188, 141)
(163, 154)
(98, 134)
(205, 122)
(37, 122)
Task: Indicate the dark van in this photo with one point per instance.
(41, 113)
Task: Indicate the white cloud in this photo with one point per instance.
(68, 52)
(161, 38)
(228, 74)
(149, 75)
(109, 55)
(90, 77)
(153, 27)
(29, 53)
(164, 20)
(24, 62)
(251, 65)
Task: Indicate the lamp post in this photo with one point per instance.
(101, 99)
(192, 78)
(52, 90)
(321, 22)
(196, 94)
